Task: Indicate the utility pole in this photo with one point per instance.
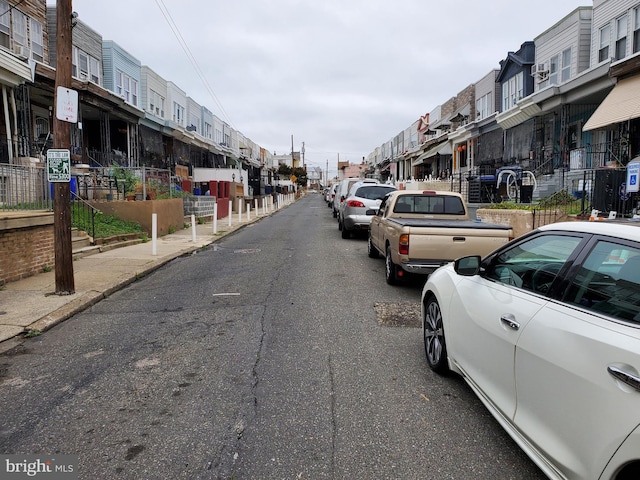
(61, 136)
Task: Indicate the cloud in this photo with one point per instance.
(341, 76)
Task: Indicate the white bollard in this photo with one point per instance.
(193, 228)
(255, 206)
(154, 234)
(230, 211)
(240, 210)
(215, 218)
(249, 212)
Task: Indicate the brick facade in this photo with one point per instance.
(26, 246)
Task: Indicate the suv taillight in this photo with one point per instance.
(355, 203)
(403, 244)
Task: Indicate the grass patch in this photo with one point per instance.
(105, 225)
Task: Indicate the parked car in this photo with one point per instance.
(331, 195)
(343, 189)
(363, 196)
(546, 331)
(417, 231)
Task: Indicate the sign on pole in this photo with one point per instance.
(67, 105)
(58, 165)
(633, 171)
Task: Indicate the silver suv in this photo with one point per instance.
(362, 197)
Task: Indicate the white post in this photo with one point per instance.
(264, 205)
(249, 212)
(214, 220)
(240, 210)
(255, 206)
(193, 228)
(230, 211)
(154, 233)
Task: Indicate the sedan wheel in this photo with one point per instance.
(434, 343)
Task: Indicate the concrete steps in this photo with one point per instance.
(82, 246)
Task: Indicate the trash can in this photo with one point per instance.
(526, 193)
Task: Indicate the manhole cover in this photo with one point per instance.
(398, 314)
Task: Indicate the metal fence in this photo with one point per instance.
(26, 187)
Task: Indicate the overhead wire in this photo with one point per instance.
(176, 31)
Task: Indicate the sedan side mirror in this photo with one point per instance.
(467, 266)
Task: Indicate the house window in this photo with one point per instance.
(134, 92)
(218, 136)
(156, 104)
(565, 73)
(208, 131)
(636, 30)
(553, 70)
(19, 21)
(94, 70)
(83, 65)
(621, 37)
(605, 38)
(483, 106)
(178, 113)
(37, 43)
(127, 87)
(512, 91)
(5, 25)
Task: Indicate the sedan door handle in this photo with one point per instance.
(632, 380)
(510, 321)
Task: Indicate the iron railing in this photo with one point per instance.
(83, 216)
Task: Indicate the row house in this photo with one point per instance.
(127, 114)
(563, 104)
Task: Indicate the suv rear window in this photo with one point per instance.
(373, 193)
(427, 204)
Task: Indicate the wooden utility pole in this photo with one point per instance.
(61, 140)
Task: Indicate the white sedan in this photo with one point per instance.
(546, 331)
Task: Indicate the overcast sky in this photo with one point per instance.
(342, 76)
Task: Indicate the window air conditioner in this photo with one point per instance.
(20, 51)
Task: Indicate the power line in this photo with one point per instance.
(174, 28)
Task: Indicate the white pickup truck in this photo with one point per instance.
(419, 231)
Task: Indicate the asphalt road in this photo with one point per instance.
(277, 353)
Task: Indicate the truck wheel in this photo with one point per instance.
(340, 226)
(345, 233)
(371, 250)
(390, 269)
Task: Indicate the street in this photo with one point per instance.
(278, 352)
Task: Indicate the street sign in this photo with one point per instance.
(67, 105)
(633, 171)
(58, 165)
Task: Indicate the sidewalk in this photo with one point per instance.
(31, 303)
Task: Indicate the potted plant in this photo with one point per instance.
(130, 182)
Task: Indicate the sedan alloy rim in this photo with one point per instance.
(433, 335)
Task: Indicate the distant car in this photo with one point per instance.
(331, 195)
(343, 190)
(362, 197)
(546, 331)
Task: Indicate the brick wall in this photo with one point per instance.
(26, 250)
